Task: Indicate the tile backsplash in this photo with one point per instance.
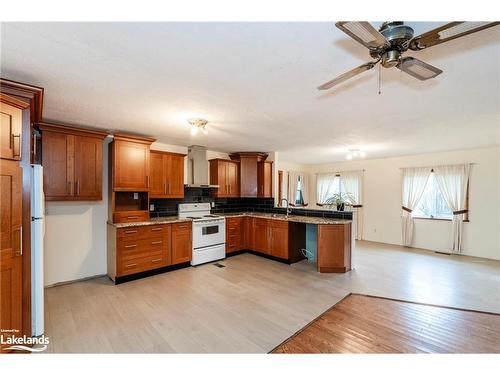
(168, 207)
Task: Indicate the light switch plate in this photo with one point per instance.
(212, 204)
(136, 195)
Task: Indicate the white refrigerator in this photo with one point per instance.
(37, 233)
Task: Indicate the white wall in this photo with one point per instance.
(75, 236)
(382, 200)
(75, 232)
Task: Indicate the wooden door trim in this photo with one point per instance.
(33, 95)
(10, 100)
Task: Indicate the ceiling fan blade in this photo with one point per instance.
(448, 32)
(345, 76)
(418, 69)
(363, 32)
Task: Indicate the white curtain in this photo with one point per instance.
(353, 183)
(284, 187)
(304, 183)
(325, 186)
(414, 181)
(453, 181)
(293, 186)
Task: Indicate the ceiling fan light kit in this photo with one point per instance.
(388, 44)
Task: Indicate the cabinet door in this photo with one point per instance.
(181, 243)
(58, 165)
(232, 179)
(158, 185)
(248, 233)
(131, 162)
(10, 249)
(265, 180)
(223, 190)
(262, 236)
(88, 168)
(279, 242)
(10, 132)
(334, 248)
(175, 176)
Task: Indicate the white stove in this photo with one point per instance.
(209, 232)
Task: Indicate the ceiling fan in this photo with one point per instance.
(388, 44)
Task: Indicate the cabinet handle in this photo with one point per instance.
(147, 181)
(132, 217)
(130, 246)
(77, 187)
(130, 265)
(156, 229)
(164, 188)
(14, 136)
(168, 187)
(20, 252)
(130, 231)
(156, 242)
(68, 188)
(156, 260)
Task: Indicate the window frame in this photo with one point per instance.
(466, 215)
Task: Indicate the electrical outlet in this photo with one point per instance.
(151, 207)
(136, 195)
(212, 204)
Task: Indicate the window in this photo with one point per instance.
(432, 205)
(328, 186)
(299, 198)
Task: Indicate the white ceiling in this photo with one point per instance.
(256, 84)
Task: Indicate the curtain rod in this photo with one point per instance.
(347, 170)
(438, 165)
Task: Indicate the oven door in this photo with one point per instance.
(208, 234)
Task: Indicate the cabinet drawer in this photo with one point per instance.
(233, 221)
(145, 231)
(126, 247)
(130, 216)
(278, 223)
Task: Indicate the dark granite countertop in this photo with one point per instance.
(264, 215)
(294, 218)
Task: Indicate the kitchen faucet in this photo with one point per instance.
(288, 209)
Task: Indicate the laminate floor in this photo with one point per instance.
(252, 304)
(364, 324)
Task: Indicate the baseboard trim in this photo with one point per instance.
(74, 281)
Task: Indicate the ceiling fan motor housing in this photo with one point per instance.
(397, 34)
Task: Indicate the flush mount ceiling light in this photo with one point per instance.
(198, 124)
(355, 153)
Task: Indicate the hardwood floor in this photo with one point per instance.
(364, 324)
(252, 304)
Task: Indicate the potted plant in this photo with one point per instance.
(339, 200)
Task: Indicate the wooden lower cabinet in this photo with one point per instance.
(334, 247)
(182, 249)
(143, 248)
(234, 234)
(266, 236)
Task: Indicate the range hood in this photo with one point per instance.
(198, 168)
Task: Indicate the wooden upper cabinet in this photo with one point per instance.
(248, 172)
(225, 173)
(334, 247)
(72, 163)
(166, 175)
(265, 179)
(130, 162)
